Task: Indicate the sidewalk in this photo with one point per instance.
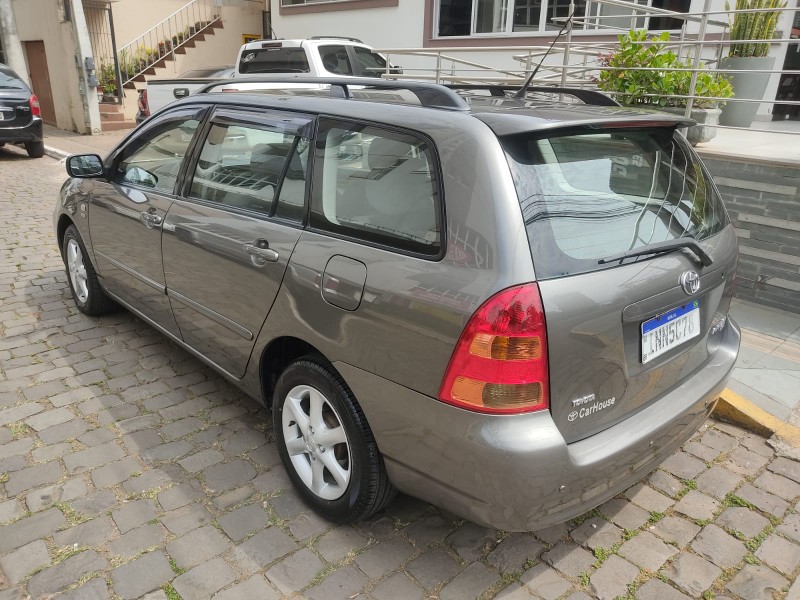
(60, 144)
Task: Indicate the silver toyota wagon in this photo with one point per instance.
(510, 307)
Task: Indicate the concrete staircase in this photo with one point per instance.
(113, 119)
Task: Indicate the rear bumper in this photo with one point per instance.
(516, 472)
(32, 132)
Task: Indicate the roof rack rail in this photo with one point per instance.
(335, 37)
(587, 96)
(430, 95)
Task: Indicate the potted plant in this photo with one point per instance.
(664, 84)
(749, 55)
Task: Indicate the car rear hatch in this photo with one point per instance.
(621, 331)
(15, 106)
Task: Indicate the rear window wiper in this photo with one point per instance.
(662, 248)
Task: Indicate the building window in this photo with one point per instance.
(504, 17)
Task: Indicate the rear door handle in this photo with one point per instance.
(150, 220)
(260, 252)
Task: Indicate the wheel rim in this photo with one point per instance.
(77, 271)
(316, 442)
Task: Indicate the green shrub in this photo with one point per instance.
(753, 26)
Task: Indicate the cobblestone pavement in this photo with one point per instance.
(129, 469)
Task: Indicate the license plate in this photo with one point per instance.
(665, 332)
(2, 116)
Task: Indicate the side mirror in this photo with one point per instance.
(85, 166)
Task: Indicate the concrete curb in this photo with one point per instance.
(56, 153)
(733, 408)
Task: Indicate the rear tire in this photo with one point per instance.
(35, 149)
(326, 445)
(83, 283)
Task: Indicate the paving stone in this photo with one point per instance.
(10, 509)
(676, 530)
(745, 462)
(197, 546)
(779, 554)
(31, 528)
(42, 498)
(694, 575)
(658, 590)
(255, 588)
(201, 460)
(16, 448)
(62, 575)
(96, 503)
(624, 513)
(308, 525)
(233, 497)
(94, 589)
(344, 582)
(596, 532)
(239, 523)
(383, 557)
(514, 551)
(569, 558)
(612, 578)
(787, 468)
(48, 453)
(228, 475)
(142, 575)
(184, 520)
(181, 428)
(790, 527)
(96, 437)
(428, 530)
(545, 582)
(719, 547)
(776, 484)
(138, 540)
(47, 419)
(24, 560)
(701, 451)
(743, 520)
(472, 581)
(180, 495)
(272, 482)
(339, 542)
(763, 500)
(295, 572)
(116, 472)
(398, 585)
(472, 541)
(204, 580)
(18, 413)
(139, 423)
(33, 477)
(289, 504)
(141, 440)
(718, 481)
(94, 533)
(168, 451)
(85, 460)
(262, 549)
(433, 568)
(756, 583)
(719, 441)
(697, 505)
(683, 465)
(515, 591)
(648, 498)
(647, 551)
(63, 432)
(133, 514)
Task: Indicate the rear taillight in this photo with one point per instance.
(500, 362)
(36, 111)
(144, 106)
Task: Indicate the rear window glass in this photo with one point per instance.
(274, 60)
(589, 196)
(10, 81)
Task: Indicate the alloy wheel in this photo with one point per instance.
(77, 271)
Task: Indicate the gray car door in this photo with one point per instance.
(127, 213)
(228, 239)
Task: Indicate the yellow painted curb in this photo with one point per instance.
(733, 408)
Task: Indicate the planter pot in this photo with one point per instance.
(706, 118)
(749, 86)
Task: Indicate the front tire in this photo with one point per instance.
(35, 149)
(326, 444)
(83, 283)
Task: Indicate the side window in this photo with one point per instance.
(156, 160)
(242, 166)
(372, 64)
(335, 60)
(377, 185)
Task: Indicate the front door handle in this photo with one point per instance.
(260, 252)
(150, 219)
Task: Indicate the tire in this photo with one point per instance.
(359, 487)
(35, 149)
(86, 291)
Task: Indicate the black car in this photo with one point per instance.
(20, 115)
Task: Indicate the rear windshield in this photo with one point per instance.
(274, 60)
(10, 81)
(588, 196)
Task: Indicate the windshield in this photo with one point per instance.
(591, 195)
(274, 60)
(10, 81)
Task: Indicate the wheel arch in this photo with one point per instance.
(279, 354)
(63, 222)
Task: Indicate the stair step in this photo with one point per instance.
(109, 108)
(111, 117)
(117, 125)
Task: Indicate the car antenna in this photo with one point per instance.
(524, 89)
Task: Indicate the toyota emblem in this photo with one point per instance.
(690, 282)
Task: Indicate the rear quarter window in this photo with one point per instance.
(591, 195)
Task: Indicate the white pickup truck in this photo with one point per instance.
(313, 57)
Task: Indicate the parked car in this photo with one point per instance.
(510, 308)
(160, 92)
(20, 114)
(323, 56)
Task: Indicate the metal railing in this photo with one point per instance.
(701, 43)
(163, 39)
